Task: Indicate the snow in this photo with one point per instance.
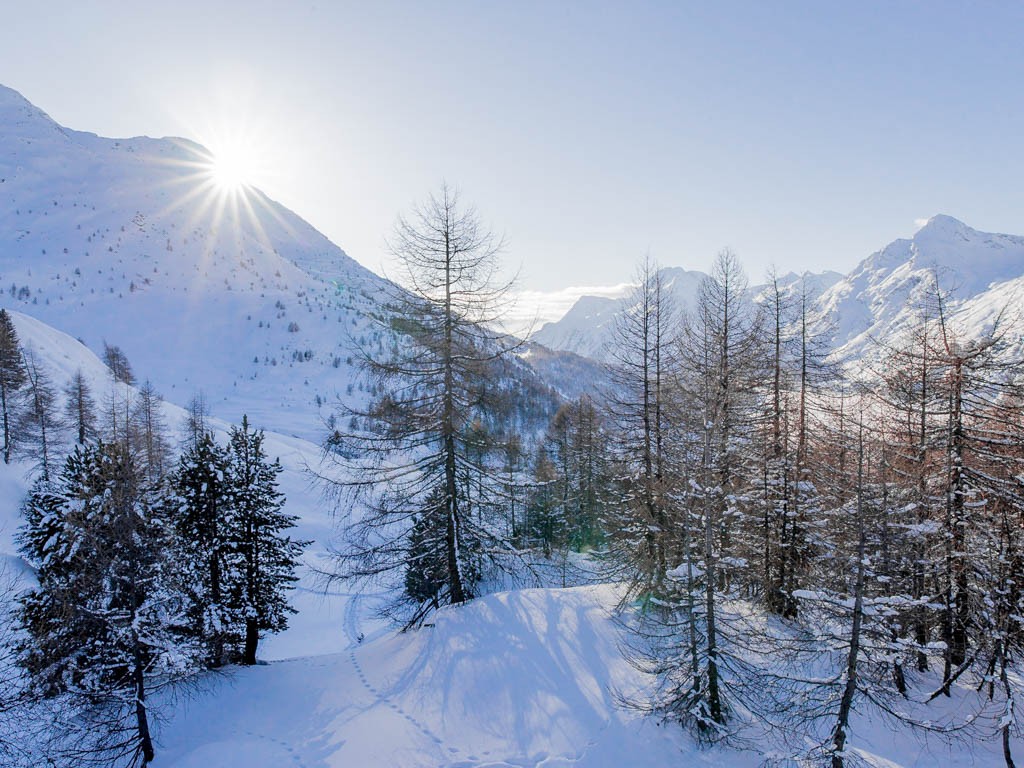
(522, 678)
(881, 298)
(127, 242)
(518, 679)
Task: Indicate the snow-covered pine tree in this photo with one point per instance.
(12, 377)
(204, 517)
(103, 628)
(258, 537)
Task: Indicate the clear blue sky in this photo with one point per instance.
(801, 134)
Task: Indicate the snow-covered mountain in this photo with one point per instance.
(981, 274)
(131, 242)
(588, 327)
(882, 297)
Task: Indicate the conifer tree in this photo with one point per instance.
(80, 408)
(204, 517)
(417, 435)
(40, 424)
(267, 556)
(638, 418)
(102, 627)
(150, 428)
(12, 377)
(117, 361)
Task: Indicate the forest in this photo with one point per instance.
(801, 539)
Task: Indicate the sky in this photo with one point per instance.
(802, 135)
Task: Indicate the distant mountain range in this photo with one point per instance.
(983, 273)
(588, 328)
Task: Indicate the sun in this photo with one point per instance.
(232, 167)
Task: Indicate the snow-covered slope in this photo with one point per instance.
(317, 626)
(883, 296)
(512, 680)
(527, 679)
(129, 242)
(588, 327)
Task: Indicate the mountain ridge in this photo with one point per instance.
(876, 299)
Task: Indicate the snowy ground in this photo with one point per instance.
(520, 679)
(515, 680)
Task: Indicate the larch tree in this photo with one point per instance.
(637, 417)
(41, 427)
(692, 639)
(150, 428)
(80, 408)
(12, 378)
(117, 361)
(415, 466)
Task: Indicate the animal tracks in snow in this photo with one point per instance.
(283, 745)
(382, 698)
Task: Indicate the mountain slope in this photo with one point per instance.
(883, 296)
(130, 242)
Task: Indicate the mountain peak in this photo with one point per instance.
(21, 119)
(942, 225)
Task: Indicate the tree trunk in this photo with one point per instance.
(252, 640)
(853, 655)
(141, 717)
(7, 426)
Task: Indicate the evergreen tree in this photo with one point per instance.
(12, 377)
(425, 566)
(267, 556)
(102, 628)
(204, 517)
